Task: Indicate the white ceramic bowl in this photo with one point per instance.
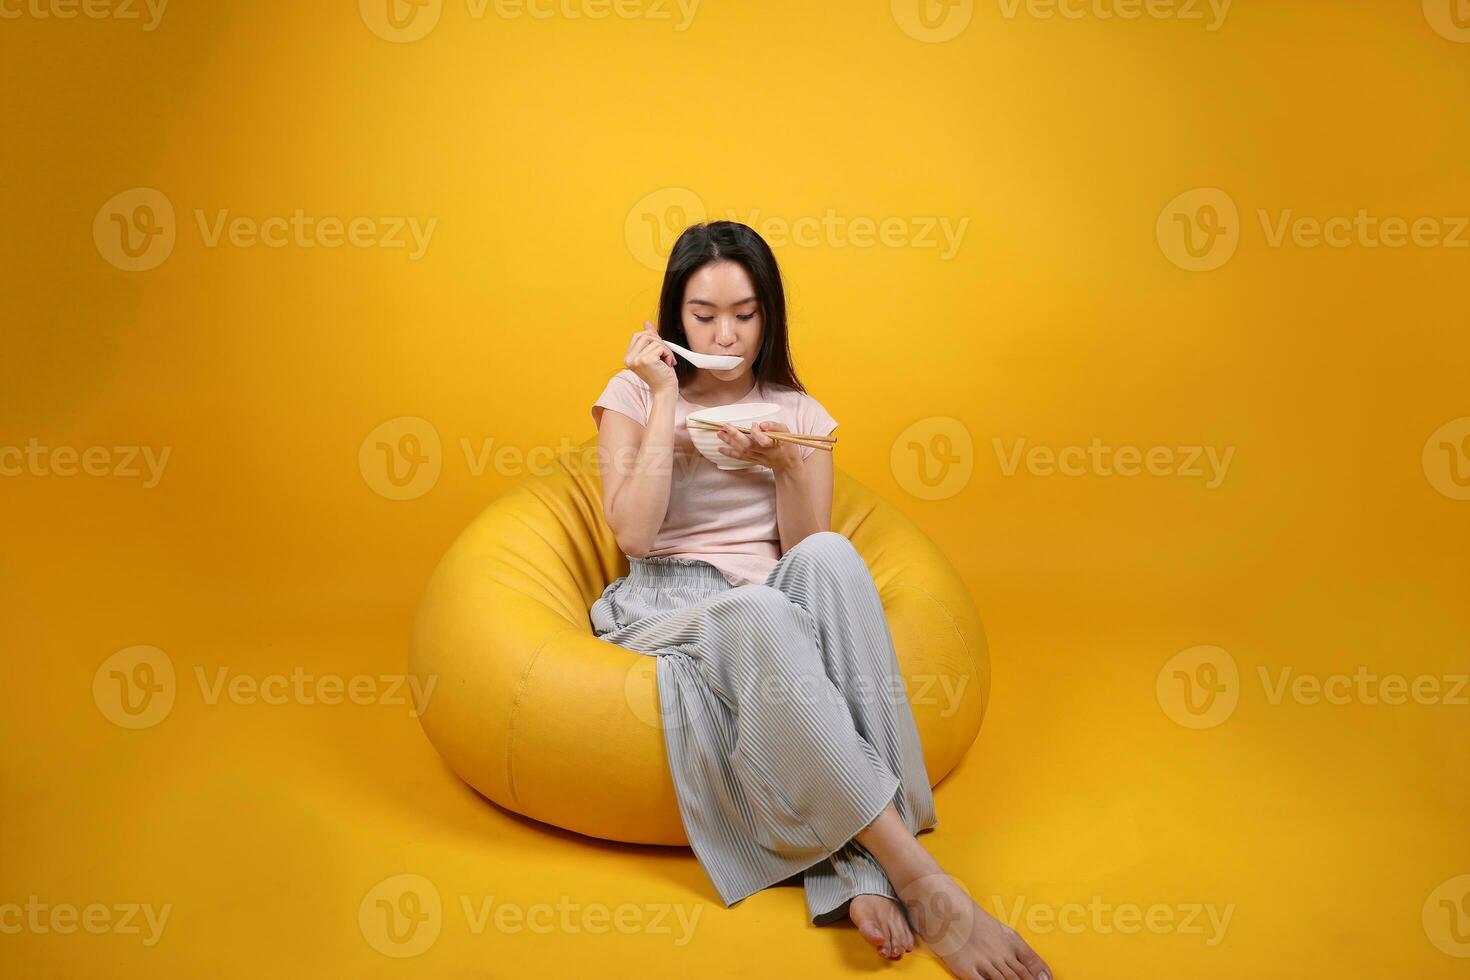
(708, 441)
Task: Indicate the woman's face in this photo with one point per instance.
(722, 315)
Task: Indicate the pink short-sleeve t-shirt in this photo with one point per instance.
(724, 517)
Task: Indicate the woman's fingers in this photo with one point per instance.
(739, 442)
(648, 339)
(766, 441)
(646, 349)
(651, 336)
(635, 347)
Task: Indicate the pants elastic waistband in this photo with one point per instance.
(670, 571)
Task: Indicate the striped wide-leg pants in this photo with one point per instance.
(786, 721)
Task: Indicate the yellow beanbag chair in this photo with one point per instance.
(547, 720)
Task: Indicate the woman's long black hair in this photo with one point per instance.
(714, 241)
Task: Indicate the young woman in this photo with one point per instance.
(789, 734)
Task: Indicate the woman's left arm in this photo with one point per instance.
(803, 486)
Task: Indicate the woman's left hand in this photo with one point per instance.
(761, 449)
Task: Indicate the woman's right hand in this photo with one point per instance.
(651, 360)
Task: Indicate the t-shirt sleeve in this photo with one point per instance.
(626, 394)
(813, 419)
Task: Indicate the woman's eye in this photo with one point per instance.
(703, 319)
(744, 316)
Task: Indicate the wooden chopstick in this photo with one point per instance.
(706, 424)
(809, 437)
(823, 443)
(825, 447)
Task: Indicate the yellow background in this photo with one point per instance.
(536, 144)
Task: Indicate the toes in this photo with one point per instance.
(901, 938)
(872, 932)
(890, 947)
(883, 925)
(1021, 970)
(1033, 963)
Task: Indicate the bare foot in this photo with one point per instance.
(967, 938)
(881, 922)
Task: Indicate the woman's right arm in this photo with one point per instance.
(636, 461)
